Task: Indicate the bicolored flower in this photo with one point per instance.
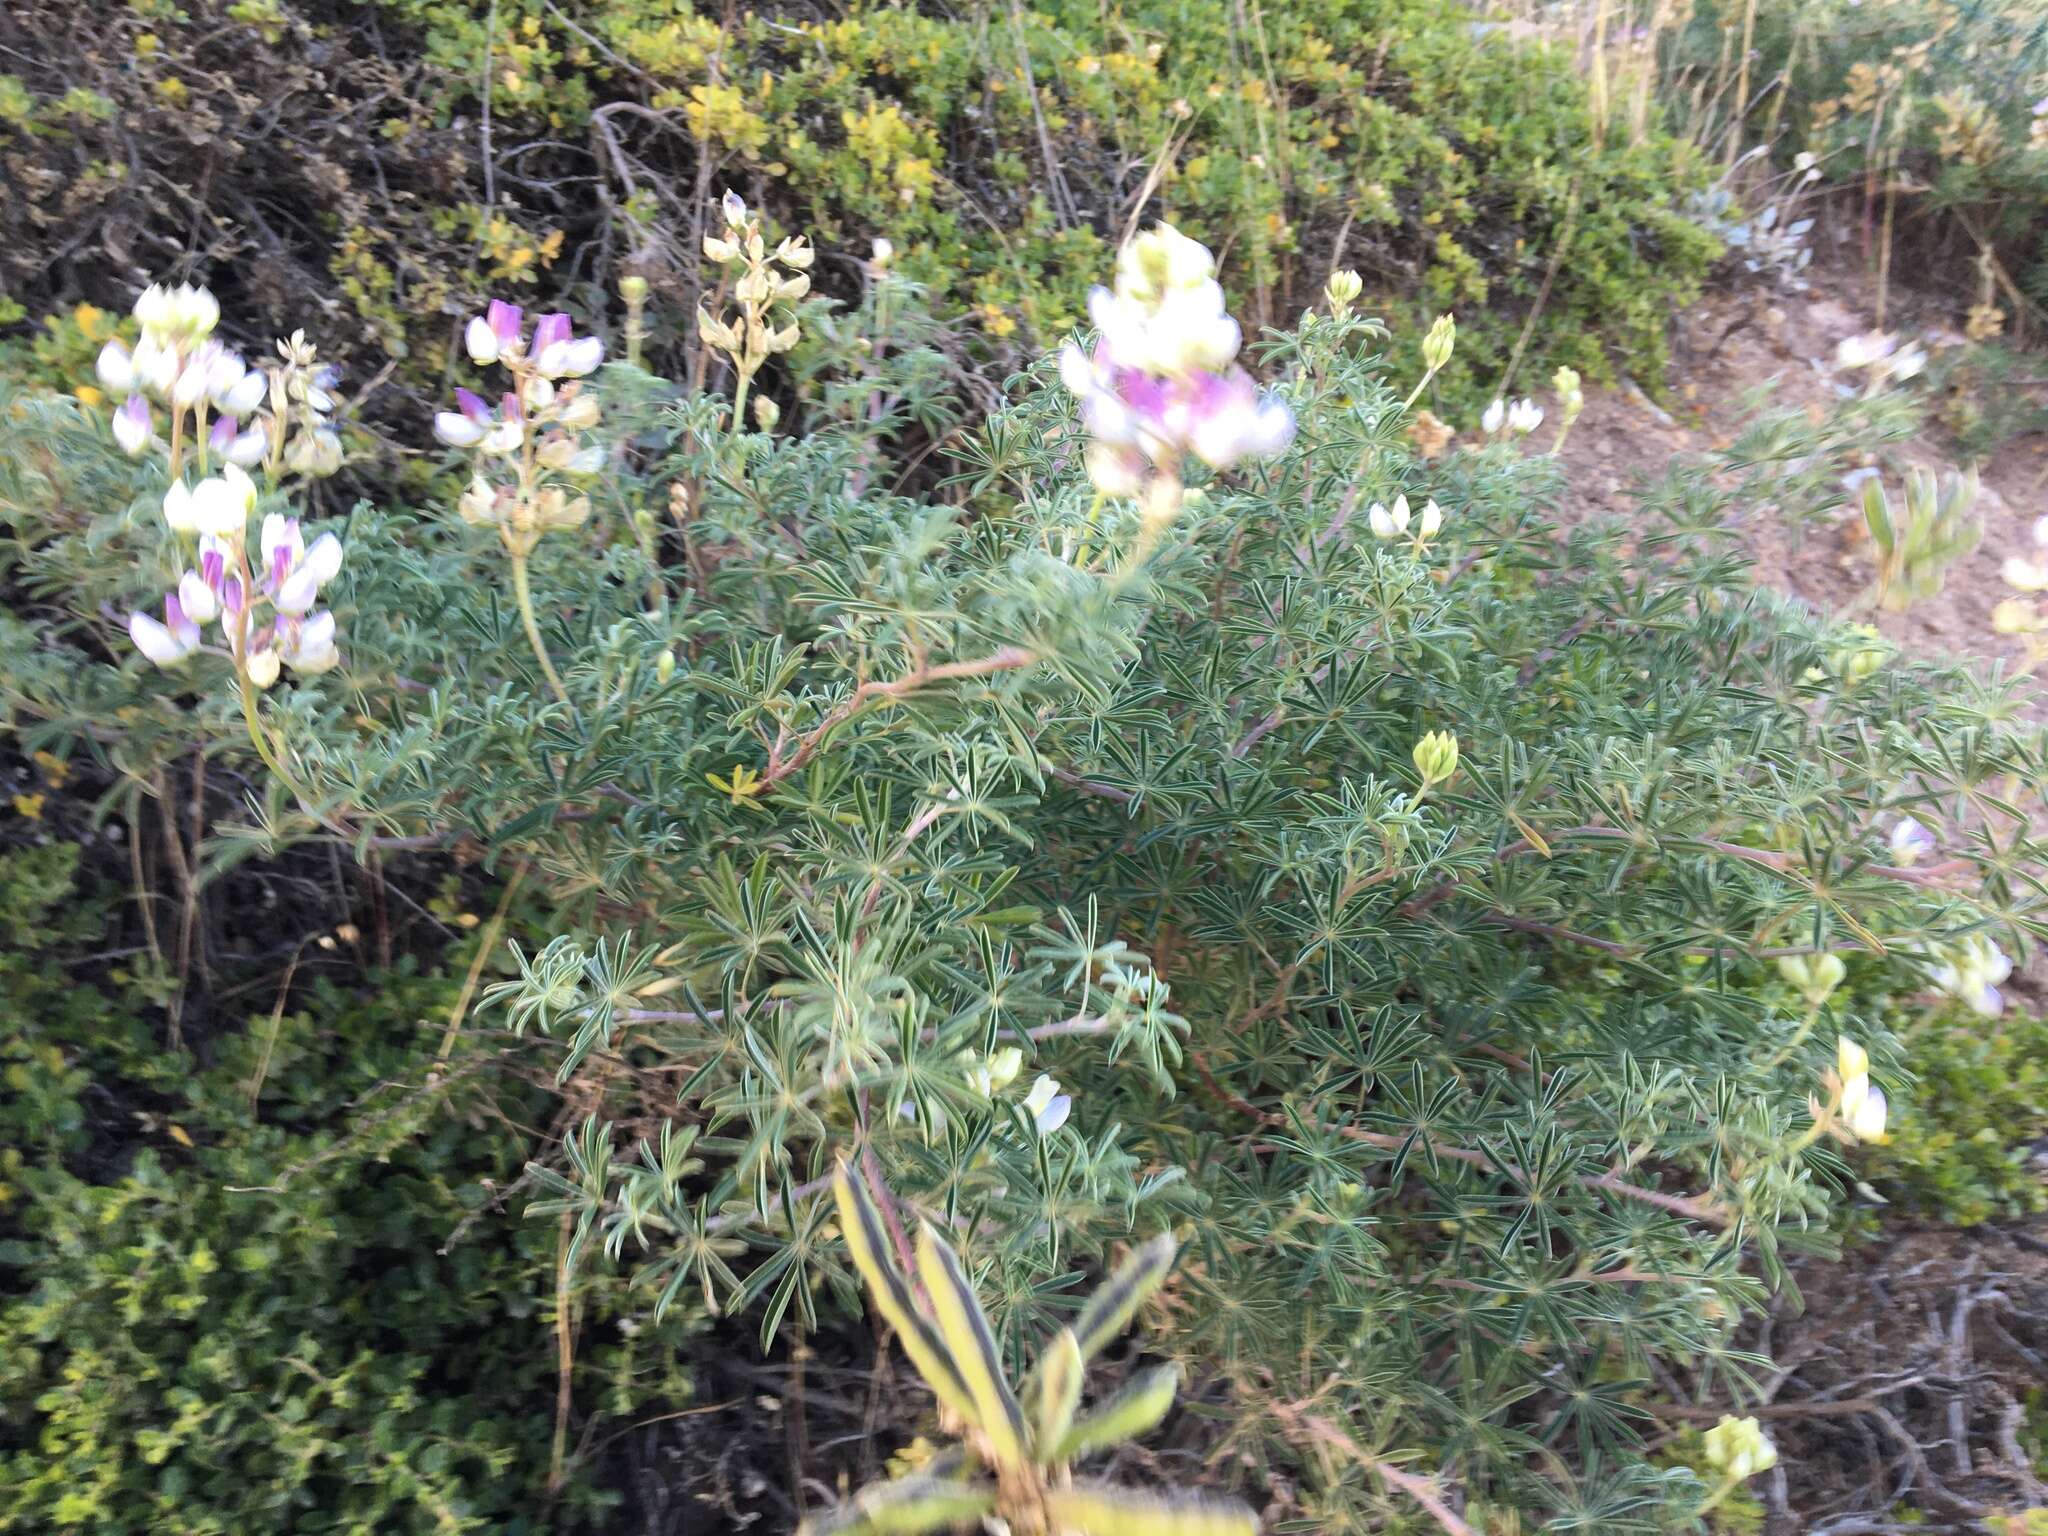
(293, 573)
(465, 426)
(132, 427)
(1909, 841)
(559, 353)
(1047, 1106)
(169, 642)
(1160, 384)
(1970, 971)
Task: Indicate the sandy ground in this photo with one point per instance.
(1728, 346)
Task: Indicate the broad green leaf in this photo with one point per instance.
(973, 1346)
(1059, 1389)
(1110, 1309)
(906, 1507)
(868, 1242)
(1142, 1404)
(1098, 1509)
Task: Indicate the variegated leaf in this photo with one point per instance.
(1098, 1509)
(972, 1344)
(1059, 1390)
(868, 1242)
(1142, 1403)
(906, 1507)
(1110, 1309)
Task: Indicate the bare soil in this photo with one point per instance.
(1731, 344)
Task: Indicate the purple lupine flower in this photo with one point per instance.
(220, 437)
(465, 426)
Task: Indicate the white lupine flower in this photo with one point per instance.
(2024, 575)
(2041, 533)
(179, 513)
(1909, 841)
(457, 430)
(1432, 521)
(1863, 1108)
(263, 666)
(249, 447)
(307, 647)
(1525, 416)
(481, 341)
(1389, 523)
(221, 505)
(200, 602)
(245, 394)
(1048, 1107)
(116, 369)
(1495, 417)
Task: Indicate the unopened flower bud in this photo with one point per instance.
(734, 207)
(1342, 290)
(1439, 343)
(1814, 976)
(766, 413)
(633, 289)
(1436, 757)
(664, 666)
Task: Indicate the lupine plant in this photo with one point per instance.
(1015, 1463)
(1082, 816)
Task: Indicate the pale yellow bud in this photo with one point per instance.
(1438, 345)
(1342, 290)
(1436, 757)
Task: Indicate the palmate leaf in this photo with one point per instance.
(972, 1345)
(1099, 1509)
(905, 1507)
(1142, 1403)
(1110, 1309)
(868, 1243)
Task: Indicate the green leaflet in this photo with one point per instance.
(966, 1332)
(1110, 1309)
(868, 1243)
(1059, 1390)
(905, 1507)
(1142, 1404)
(1096, 1509)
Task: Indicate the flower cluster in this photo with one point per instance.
(1392, 522)
(266, 608)
(1161, 385)
(1738, 1449)
(1521, 417)
(276, 416)
(526, 445)
(764, 325)
(1856, 1109)
(1970, 971)
(1880, 357)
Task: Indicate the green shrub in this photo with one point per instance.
(1964, 1146)
(1004, 154)
(275, 1292)
(1327, 853)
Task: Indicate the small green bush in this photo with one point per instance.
(296, 1309)
(1965, 1145)
(1004, 154)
